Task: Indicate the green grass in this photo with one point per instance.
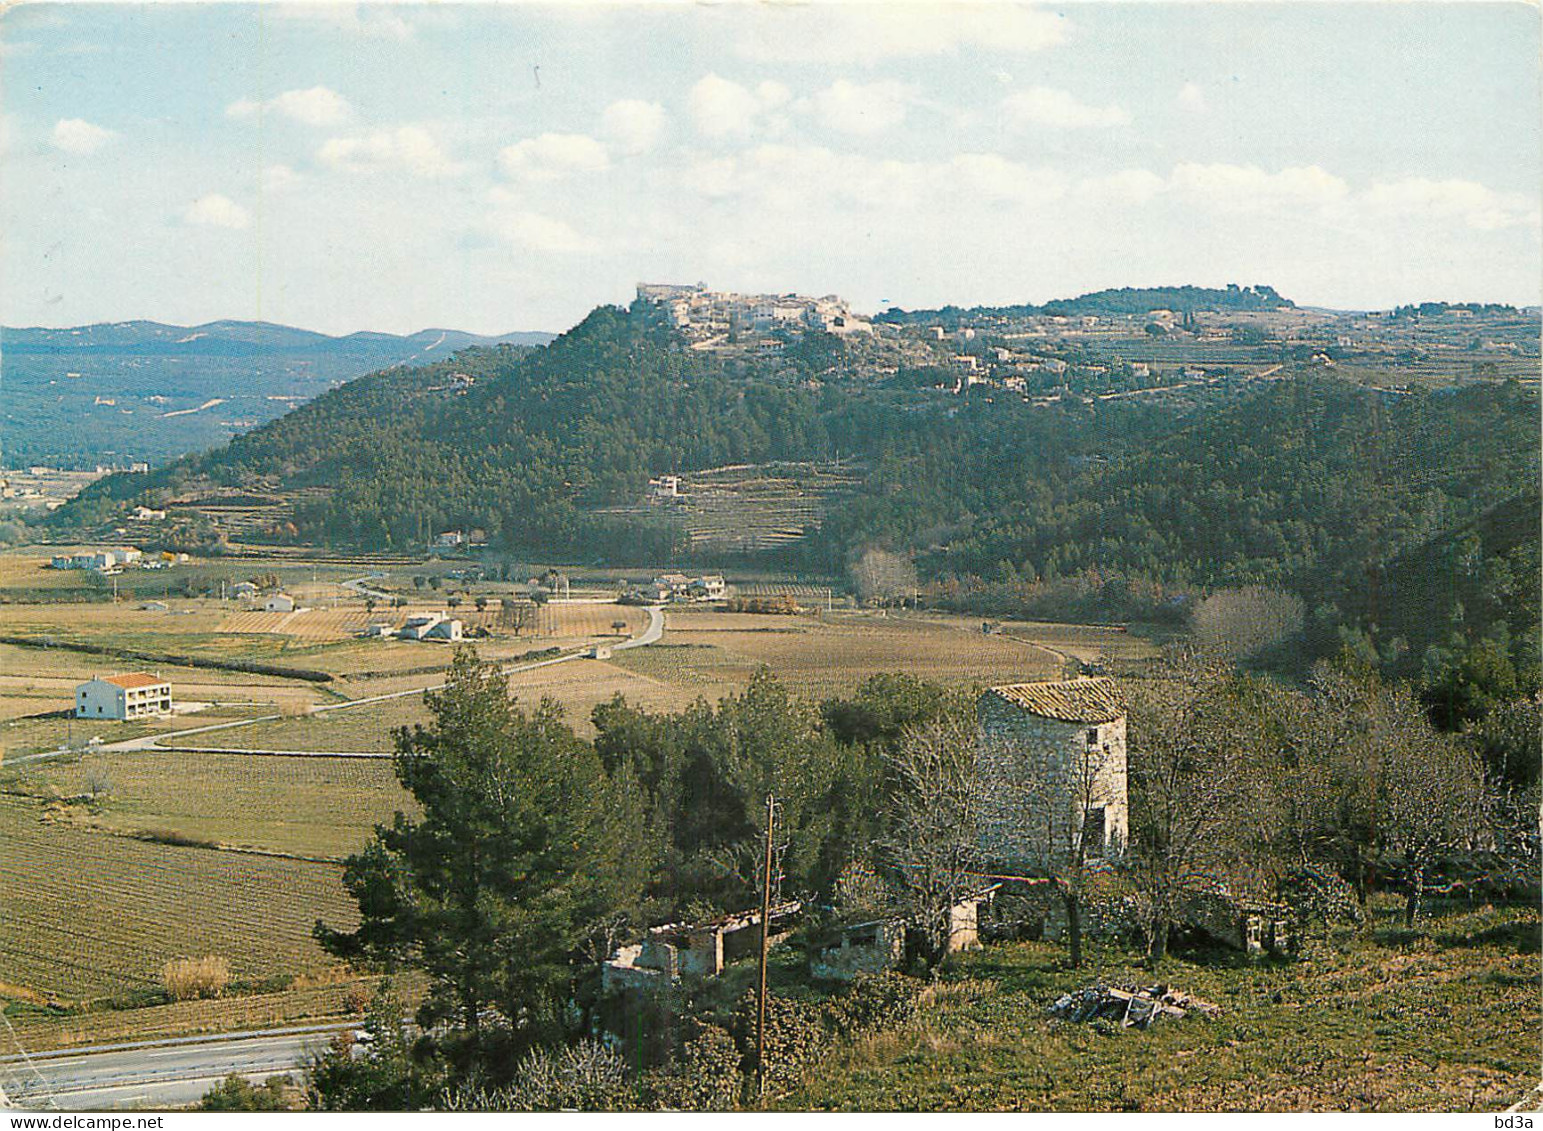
(1445, 1017)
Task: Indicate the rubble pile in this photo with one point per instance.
(1129, 1006)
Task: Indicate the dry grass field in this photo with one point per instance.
(312, 807)
(365, 729)
(714, 653)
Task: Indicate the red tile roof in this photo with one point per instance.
(1094, 699)
(133, 680)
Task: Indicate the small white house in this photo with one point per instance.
(243, 590)
(708, 587)
(279, 603)
(418, 627)
(129, 696)
(447, 629)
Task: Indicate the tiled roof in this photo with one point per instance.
(133, 680)
(1094, 699)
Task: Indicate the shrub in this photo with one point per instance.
(582, 1077)
(707, 1075)
(875, 1001)
(235, 1093)
(188, 978)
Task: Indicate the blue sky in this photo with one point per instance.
(511, 166)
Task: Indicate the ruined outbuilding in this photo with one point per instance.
(679, 951)
(880, 944)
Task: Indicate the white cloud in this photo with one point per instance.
(862, 108)
(277, 178)
(534, 232)
(411, 148)
(720, 107)
(867, 33)
(1247, 186)
(76, 135)
(992, 177)
(318, 106)
(1060, 109)
(551, 156)
(216, 211)
(772, 95)
(1472, 203)
(632, 125)
(1134, 186)
(1191, 97)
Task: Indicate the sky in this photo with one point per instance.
(512, 166)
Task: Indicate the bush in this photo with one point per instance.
(707, 1075)
(189, 978)
(795, 1038)
(875, 1001)
(582, 1077)
(235, 1093)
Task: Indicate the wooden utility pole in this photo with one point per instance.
(760, 1000)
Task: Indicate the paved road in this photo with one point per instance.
(360, 585)
(154, 1075)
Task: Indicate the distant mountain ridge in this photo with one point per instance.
(227, 336)
(119, 392)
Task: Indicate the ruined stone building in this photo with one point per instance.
(1051, 770)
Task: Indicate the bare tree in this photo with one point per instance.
(1431, 794)
(881, 575)
(1241, 624)
(1047, 811)
(1188, 770)
(931, 847)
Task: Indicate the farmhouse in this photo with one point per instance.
(279, 603)
(243, 590)
(1050, 748)
(664, 487)
(430, 626)
(129, 696)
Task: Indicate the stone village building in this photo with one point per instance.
(1051, 765)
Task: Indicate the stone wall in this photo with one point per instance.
(1032, 783)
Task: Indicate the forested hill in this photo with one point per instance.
(1304, 483)
(1123, 300)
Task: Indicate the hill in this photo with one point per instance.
(1122, 300)
(1302, 483)
(116, 393)
(1476, 581)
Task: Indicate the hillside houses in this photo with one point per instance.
(708, 318)
(680, 587)
(110, 560)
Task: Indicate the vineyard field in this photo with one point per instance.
(90, 915)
